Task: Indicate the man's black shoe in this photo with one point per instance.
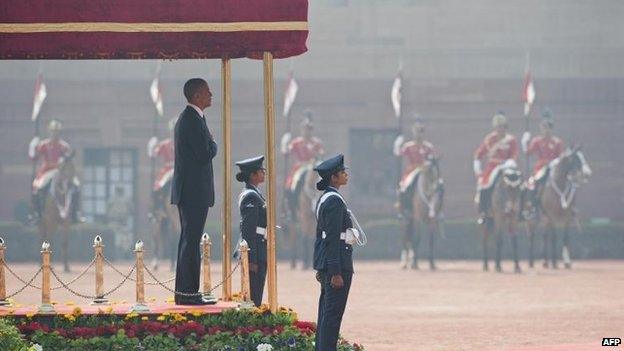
(193, 301)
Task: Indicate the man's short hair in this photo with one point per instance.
(192, 86)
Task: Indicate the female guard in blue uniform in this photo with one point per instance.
(253, 223)
(332, 255)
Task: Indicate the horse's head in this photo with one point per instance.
(510, 189)
(66, 167)
(432, 168)
(573, 166)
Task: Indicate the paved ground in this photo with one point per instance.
(459, 307)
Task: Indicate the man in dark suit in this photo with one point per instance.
(192, 189)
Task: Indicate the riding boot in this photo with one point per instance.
(35, 212)
(482, 208)
(77, 216)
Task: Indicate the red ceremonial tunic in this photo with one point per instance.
(50, 152)
(546, 149)
(164, 150)
(496, 150)
(414, 156)
(303, 151)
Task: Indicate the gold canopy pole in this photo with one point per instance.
(226, 229)
(269, 122)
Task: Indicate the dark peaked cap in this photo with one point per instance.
(330, 166)
(250, 165)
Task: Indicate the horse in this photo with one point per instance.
(302, 219)
(556, 200)
(165, 226)
(426, 208)
(58, 205)
(502, 216)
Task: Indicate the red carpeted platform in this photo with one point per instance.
(119, 308)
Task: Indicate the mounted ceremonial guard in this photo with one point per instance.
(547, 148)
(253, 223)
(299, 188)
(50, 153)
(162, 214)
(421, 174)
(499, 187)
(499, 151)
(551, 191)
(305, 149)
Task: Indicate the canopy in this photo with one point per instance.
(151, 29)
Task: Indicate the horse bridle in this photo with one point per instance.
(428, 198)
(566, 196)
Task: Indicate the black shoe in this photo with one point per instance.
(194, 301)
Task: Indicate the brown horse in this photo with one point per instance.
(58, 206)
(426, 208)
(502, 216)
(556, 200)
(165, 227)
(303, 223)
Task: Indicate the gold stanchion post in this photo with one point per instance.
(226, 229)
(98, 247)
(206, 246)
(269, 122)
(245, 290)
(46, 305)
(140, 305)
(3, 299)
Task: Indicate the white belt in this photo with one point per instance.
(261, 231)
(343, 235)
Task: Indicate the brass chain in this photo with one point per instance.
(26, 284)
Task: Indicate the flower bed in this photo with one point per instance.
(233, 330)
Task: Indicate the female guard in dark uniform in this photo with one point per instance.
(332, 255)
(253, 223)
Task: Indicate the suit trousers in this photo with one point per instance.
(332, 303)
(192, 221)
(256, 283)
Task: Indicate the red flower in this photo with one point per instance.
(306, 328)
(32, 327)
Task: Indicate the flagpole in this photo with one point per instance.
(290, 95)
(157, 99)
(528, 106)
(285, 206)
(35, 116)
(399, 116)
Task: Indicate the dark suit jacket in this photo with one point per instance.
(253, 215)
(193, 179)
(332, 254)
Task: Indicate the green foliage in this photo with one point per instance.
(10, 338)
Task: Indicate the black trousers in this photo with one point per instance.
(256, 283)
(332, 303)
(192, 221)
